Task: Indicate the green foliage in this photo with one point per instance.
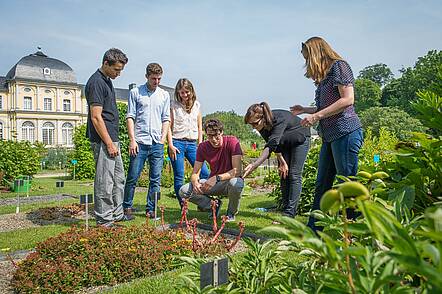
(85, 167)
(417, 170)
(55, 156)
(387, 250)
(367, 94)
(123, 134)
(382, 145)
(396, 121)
(308, 181)
(78, 258)
(18, 158)
(400, 92)
(234, 125)
(378, 73)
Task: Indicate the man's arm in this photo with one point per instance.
(133, 145)
(100, 127)
(195, 177)
(235, 172)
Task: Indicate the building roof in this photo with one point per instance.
(40, 67)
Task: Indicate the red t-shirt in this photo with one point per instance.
(219, 159)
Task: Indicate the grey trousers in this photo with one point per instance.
(231, 188)
(108, 185)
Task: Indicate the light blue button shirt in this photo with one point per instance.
(148, 110)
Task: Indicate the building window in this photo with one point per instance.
(1, 130)
(27, 103)
(66, 105)
(48, 133)
(46, 71)
(67, 93)
(27, 89)
(67, 130)
(48, 104)
(27, 131)
(48, 91)
(1, 102)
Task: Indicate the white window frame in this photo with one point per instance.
(1, 102)
(28, 131)
(67, 105)
(1, 131)
(27, 103)
(46, 104)
(67, 131)
(47, 133)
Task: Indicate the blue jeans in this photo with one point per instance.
(187, 150)
(155, 155)
(337, 157)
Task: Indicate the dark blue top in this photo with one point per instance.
(100, 91)
(327, 93)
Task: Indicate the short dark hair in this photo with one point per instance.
(154, 69)
(114, 55)
(214, 124)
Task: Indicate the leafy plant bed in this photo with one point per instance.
(80, 259)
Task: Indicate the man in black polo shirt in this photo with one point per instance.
(102, 130)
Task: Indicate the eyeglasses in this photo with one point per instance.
(216, 136)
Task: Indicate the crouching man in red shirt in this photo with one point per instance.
(223, 154)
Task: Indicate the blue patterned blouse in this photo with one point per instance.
(327, 93)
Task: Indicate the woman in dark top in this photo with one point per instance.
(289, 140)
(339, 126)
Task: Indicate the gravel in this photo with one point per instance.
(34, 199)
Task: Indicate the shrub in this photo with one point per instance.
(79, 258)
(18, 158)
(55, 156)
(85, 167)
(382, 145)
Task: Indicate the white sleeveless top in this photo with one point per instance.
(185, 125)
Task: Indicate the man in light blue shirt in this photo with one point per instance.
(148, 118)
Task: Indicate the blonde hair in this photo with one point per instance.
(319, 57)
(185, 83)
(263, 111)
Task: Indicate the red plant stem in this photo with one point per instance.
(195, 243)
(162, 217)
(224, 218)
(183, 213)
(213, 204)
(241, 230)
(11, 260)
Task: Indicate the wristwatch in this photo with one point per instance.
(218, 178)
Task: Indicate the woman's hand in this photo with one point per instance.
(173, 151)
(283, 169)
(297, 109)
(248, 170)
(309, 120)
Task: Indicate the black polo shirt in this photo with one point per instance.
(99, 91)
(285, 132)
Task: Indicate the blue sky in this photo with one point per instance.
(235, 52)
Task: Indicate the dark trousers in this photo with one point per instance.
(291, 186)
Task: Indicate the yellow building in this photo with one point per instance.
(40, 100)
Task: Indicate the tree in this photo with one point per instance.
(367, 94)
(234, 125)
(393, 119)
(378, 73)
(402, 91)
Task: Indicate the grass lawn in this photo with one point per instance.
(46, 186)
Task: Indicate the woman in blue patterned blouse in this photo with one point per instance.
(339, 126)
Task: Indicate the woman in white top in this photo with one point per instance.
(185, 132)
